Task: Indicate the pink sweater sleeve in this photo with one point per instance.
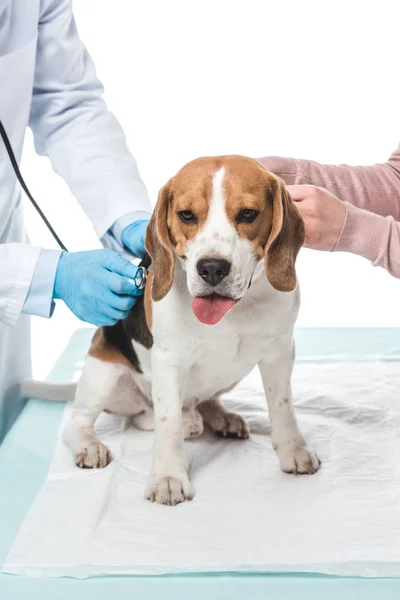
(372, 196)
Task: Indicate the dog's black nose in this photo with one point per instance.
(213, 270)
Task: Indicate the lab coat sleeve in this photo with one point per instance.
(39, 300)
(113, 239)
(17, 266)
(74, 128)
(126, 220)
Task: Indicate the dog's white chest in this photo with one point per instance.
(213, 366)
(220, 365)
(215, 358)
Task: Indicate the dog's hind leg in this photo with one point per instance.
(104, 386)
(223, 422)
(192, 421)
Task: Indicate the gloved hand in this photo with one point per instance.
(97, 285)
(133, 237)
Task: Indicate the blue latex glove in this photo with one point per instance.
(97, 286)
(133, 237)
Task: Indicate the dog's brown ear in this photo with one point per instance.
(285, 240)
(158, 245)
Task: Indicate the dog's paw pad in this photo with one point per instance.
(169, 490)
(232, 426)
(93, 456)
(192, 423)
(301, 461)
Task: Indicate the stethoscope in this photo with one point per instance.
(141, 273)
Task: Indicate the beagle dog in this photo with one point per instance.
(221, 298)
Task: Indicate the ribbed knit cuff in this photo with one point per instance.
(363, 233)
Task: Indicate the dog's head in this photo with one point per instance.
(219, 217)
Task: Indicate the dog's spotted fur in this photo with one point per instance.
(164, 368)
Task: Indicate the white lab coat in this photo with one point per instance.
(48, 81)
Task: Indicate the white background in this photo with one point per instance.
(308, 79)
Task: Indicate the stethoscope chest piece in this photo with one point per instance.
(140, 278)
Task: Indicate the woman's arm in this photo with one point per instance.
(372, 236)
(375, 188)
(367, 223)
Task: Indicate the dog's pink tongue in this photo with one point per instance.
(211, 309)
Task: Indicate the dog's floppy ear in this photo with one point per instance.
(285, 240)
(158, 245)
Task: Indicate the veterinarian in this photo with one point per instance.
(48, 82)
(350, 209)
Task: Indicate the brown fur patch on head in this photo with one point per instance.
(276, 234)
(249, 186)
(189, 190)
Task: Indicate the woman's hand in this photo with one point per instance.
(324, 215)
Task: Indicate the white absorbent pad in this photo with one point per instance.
(247, 515)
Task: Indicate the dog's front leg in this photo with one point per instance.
(169, 482)
(288, 442)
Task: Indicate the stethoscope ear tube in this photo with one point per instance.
(17, 172)
(141, 275)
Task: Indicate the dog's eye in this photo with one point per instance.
(187, 216)
(247, 215)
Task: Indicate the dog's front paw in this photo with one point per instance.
(298, 459)
(94, 455)
(169, 490)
